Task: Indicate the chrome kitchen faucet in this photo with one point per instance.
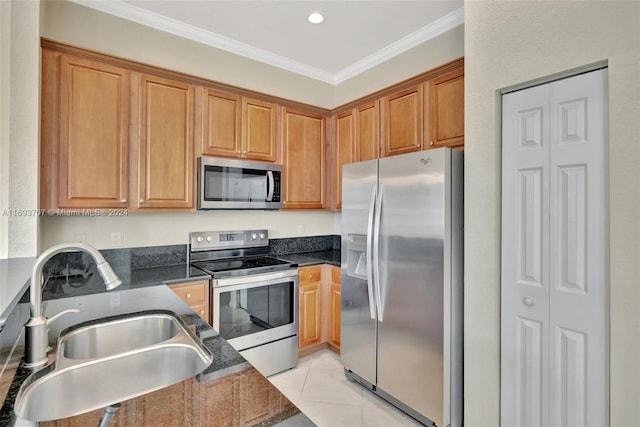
(36, 328)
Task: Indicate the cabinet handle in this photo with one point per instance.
(431, 143)
(188, 295)
(123, 201)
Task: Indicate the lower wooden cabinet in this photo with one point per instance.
(241, 399)
(309, 331)
(196, 296)
(335, 308)
(319, 306)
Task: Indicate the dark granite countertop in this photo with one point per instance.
(304, 259)
(89, 282)
(226, 361)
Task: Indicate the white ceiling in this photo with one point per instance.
(355, 35)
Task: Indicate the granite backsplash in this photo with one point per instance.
(127, 259)
(297, 245)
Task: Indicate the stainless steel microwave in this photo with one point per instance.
(238, 184)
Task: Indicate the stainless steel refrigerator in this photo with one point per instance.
(402, 281)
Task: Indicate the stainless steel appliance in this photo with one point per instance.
(254, 297)
(401, 327)
(238, 184)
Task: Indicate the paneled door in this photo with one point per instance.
(555, 261)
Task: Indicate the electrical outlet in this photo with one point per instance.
(115, 299)
(116, 239)
(80, 238)
(79, 303)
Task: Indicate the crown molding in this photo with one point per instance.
(414, 39)
(151, 19)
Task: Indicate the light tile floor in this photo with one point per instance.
(319, 388)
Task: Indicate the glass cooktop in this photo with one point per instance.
(242, 266)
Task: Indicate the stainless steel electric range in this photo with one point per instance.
(254, 297)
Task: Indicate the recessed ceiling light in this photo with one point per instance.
(316, 18)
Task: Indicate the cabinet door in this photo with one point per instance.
(336, 295)
(309, 330)
(402, 122)
(367, 131)
(165, 147)
(259, 122)
(304, 164)
(196, 296)
(446, 110)
(94, 125)
(345, 150)
(310, 281)
(221, 124)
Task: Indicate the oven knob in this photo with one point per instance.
(199, 239)
(262, 236)
(209, 238)
(254, 236)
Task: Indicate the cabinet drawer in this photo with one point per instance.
(192, 294)
(310, 274)
(335, 274)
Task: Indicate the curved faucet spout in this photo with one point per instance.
(36, 329)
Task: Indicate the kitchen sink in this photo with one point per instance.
(106, 361)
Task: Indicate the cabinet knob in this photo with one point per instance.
(418, 144)
(527, 301)
(431, 143)
(123, 201)
(310, 276)
(188, 295)
(301, 292)
(141, 201)
(201, 312)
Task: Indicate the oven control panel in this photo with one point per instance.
(211, 240)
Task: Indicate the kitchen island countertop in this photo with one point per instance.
(217, 396)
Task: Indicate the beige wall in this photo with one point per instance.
(508, 43)
(150, 229)
(19, 127)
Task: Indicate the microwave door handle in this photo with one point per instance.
(270, 186)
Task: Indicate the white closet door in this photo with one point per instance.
(555, 322)
(525, 234)
(579, 298)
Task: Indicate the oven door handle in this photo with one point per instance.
(254, 281)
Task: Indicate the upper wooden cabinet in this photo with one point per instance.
(304, 164)
(344, 150)
(163, 154)
(235, 126)
(367, 136)
(259, 130)
(401, 122)
(221, 123)
(85, 124)
(445, 102)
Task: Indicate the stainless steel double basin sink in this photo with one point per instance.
(102, 362)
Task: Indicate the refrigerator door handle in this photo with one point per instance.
(376, 253)
(369, 252)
